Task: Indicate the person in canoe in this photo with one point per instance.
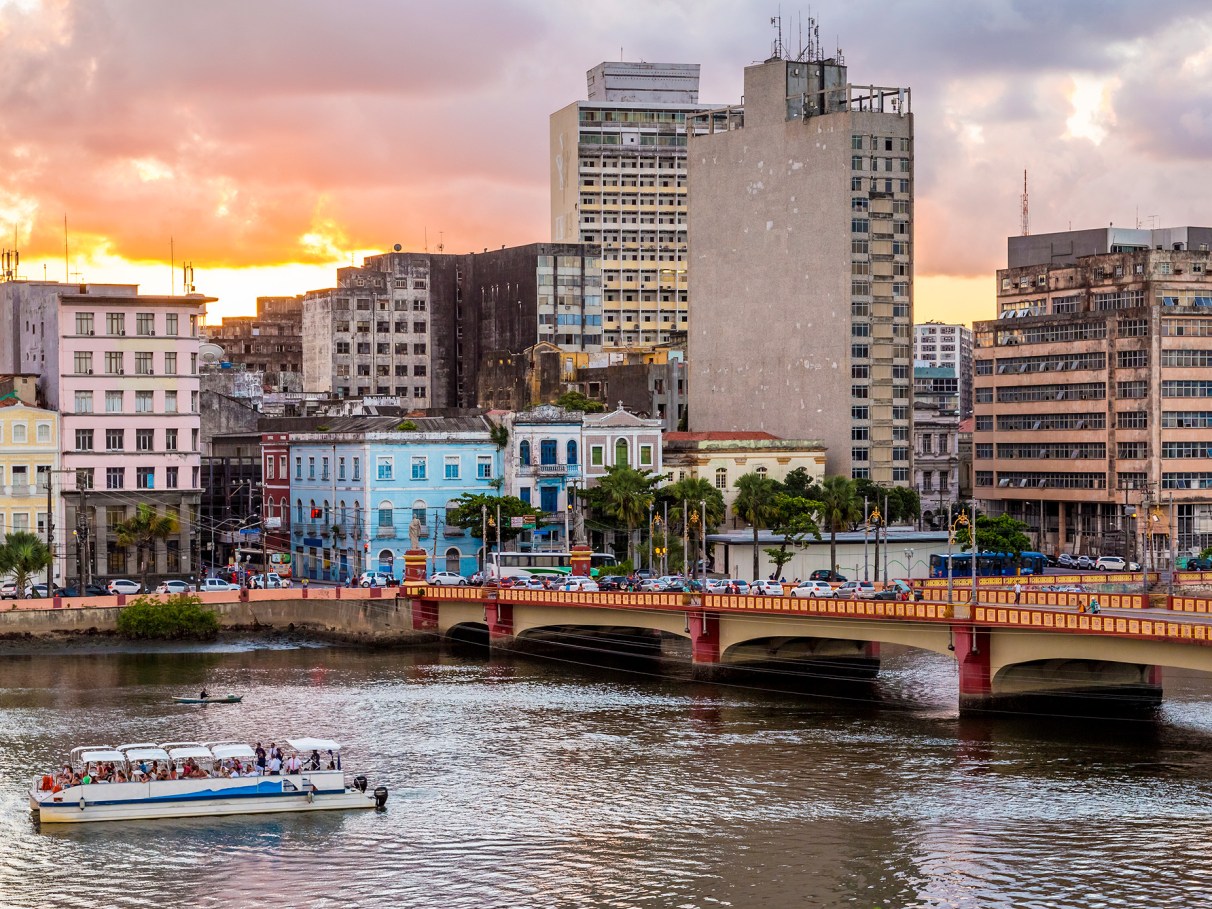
(203, 695)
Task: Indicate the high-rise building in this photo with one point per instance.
(1092, 391)
(270, 343)
(801, 255)
(417, 326)
(937, 345)
(122, 370)
(618, 180)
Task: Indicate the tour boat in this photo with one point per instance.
(135, 791)
(220, 699)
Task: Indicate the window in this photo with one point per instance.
(170, 402)
(298, 468)
(571, 452)
(113, 364)
(620, 452)
(386, 514)
(357, 469)
(115, 439)
(83, 363)
(170, 440)
(144, 439)
(145, 477)
(547, 451)
(524, 453)
(451, 467)
(115, 323)
(143, 401)
(323, 468)
(84, 440)
(170, 323)
(115, 477)
(84, 323)
(483, 467)
(170, 364)
(419, 467)
(645, 455)
(84, 402)
(311, 468)
(597, 455)
(172, 477)
(145, 323)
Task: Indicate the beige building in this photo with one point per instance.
(723, 457)
(801, 253)
(618, 180)
(29, 464)
(1093, 392)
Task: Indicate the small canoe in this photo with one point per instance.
(225, 699)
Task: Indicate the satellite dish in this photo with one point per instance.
(210, 354)
(397, 247)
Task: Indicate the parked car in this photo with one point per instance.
(1085, 563)
(852, 589)
(174, 586)
(448, 579)
(642, 573)
(271, 581)
(812, 588)
(1195, 564)
(125, 586)
(211, 585)
(373, 579)
(41, 590)
(766, 588)
(824, 574)
(612, 582)
(579, 584)
(904, 589)
(89, 590)
(8, 591)
(1064, 560)
(1111, 563)
(727, 585)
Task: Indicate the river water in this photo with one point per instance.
(528, 782)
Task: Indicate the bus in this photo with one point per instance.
(538, 564)
(249, 558)
(988, 564)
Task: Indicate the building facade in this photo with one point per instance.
(801, 251)
(355, 496)
(1092, 392)
(269, 344)
(543, 467)
(30, 476)
(937, 345)
(618, 180)
(419, 325)
(122, 370)
(936, 424)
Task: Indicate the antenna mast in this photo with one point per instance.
(1026, 219)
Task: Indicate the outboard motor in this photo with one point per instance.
(360, 783)
(380, 797)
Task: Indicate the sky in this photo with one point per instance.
(268, 143)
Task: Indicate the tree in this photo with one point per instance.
(686, 500)
(470, 513)
(23, 555)
(575, 400)
(1000, 534)
(794, 520)
(799, 483)
(624, 494)
(840, 508)
(755, 504)
(142, 532)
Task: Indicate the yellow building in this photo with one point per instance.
(29, 459)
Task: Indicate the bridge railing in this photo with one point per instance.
(1086, 623)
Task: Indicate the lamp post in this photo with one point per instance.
(961, 520)
(650, 526)
(866, 532)
(703, 547)
(909, 563)
(483, 538)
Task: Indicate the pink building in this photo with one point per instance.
(122, 369)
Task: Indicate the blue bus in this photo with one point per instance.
(988, 564)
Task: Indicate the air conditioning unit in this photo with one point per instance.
(91, 333)
(88, 372)
(121, 371)
(151, 372)
(152, 332)
(122, 332)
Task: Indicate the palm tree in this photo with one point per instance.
(687, 499)
(142, 531)
(841, 507)
(23, 555)
(755, 503)
(626, 494)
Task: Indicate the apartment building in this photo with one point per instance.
(938, 345)
(801, 252)
(29, 463)
(419, 326)
(122, 370)
(1093, 392)
(618, 180)
(271, 342)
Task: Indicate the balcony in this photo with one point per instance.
(385, 531)
(550, 470)
(21, 490)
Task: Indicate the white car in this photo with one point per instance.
(211, 585)
(373, 579)
(273, 581)
(122, 585)
(1111, 563)
(725, 585)
(175, 587)
(581, 585)
(766, 589)
(813, 589)
(448, 579)
(852, 589)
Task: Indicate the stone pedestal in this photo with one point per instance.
(581, 557)
(415, 563)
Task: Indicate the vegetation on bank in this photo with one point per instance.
(176, 617)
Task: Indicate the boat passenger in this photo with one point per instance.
(293, 764)
(313, 762)
(275, 765)
(260, 760)
(120, 777)
(234, 773)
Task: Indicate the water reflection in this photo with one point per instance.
(525, 782)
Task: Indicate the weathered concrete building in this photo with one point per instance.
(271, 342)
(618, 179)
(801, 251)
(419, 325)
(1092, 390)
(936, 422)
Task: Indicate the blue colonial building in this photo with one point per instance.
(355, 494)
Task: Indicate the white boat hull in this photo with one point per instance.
(324, 791)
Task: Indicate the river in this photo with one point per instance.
(527, 782)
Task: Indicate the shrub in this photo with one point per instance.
(406, 426)
(178, 616)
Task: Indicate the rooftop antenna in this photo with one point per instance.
(187, 277)
(441, 241)
(777, 52)
(1026, 219)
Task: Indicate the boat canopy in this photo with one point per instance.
(106, 755)
(169, 746)
(137, 745)
(232, 750)
(146, 753)
(190, 751)
(313, 744)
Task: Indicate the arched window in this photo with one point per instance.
(524, 453)
(357, 521)
(454, 560)
(721, 478)
(341, 511)
(419, 508)
(327, 512)
(311, 509)
(620, 452)
(386, 513)
(547, 451)
(572, 451)
(299, 510)
(452, 505)
(761, 471)
(387, 562)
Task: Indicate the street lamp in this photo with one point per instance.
(650, 526)
(703, 546)
(909, 563)
(961, 520)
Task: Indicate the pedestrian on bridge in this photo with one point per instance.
(1018, 592)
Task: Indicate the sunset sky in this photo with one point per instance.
(268, 142)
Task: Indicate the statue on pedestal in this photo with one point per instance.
(414, 533)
